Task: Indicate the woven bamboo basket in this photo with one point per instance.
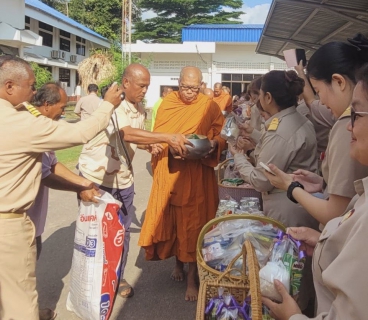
(204, 271)
(235, 192)
(239, 289)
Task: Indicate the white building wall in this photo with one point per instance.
(42, 54)
(12, 13)
(227, 58)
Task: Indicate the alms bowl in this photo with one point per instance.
(201, 146)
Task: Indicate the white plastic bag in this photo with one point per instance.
(98, 250)
(268, 274)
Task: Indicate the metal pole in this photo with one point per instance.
(122, 30)
(130, 31)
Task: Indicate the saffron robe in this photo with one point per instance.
(224, 101)
(184, 194)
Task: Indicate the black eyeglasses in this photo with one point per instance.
(186, 88)
(355, 114)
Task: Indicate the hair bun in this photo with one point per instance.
(295, 83)
(359, 41)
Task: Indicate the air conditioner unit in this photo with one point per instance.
(73, 58)
(55, 54)
(62, 55)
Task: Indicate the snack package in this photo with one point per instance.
(230, 130)
(228, 238)
(294, 261)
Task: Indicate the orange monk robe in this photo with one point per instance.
(224, 101)
(184, 194)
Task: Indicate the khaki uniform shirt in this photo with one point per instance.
(322, 128)
(290, 145)
(339, 170)
(99, 160)
(87, 105)
(340, 263)
(24, 139)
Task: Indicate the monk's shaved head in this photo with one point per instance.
(208, 92)
(217, 89)
(190, 82)
(136, 80)
(191, 72)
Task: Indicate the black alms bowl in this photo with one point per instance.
(200, 148)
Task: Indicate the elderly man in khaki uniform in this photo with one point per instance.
(24, 139)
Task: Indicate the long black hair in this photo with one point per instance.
(339, 57)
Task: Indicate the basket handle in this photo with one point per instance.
(255, 290)
(226, 273)
(222, 164)
(243, 253)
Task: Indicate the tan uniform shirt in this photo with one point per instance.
(322, 130)
(99, 160)
(87, 105)
(290, 146)
(339, 170)
(24, 139)
(340, 263)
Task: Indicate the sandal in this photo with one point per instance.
(47, 314)
(124, 286)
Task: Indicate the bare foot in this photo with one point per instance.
(192, 292)
(178, 273)
(192, 289)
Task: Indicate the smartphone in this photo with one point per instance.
(264, 166)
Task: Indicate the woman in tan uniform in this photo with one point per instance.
(340, 255)
(290, 141)
(332, 73)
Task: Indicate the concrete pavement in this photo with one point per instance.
(156, 296)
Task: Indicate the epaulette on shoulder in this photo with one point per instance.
(31, 109)
(273, 125)
(346, 114)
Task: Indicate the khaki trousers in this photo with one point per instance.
(18, 295)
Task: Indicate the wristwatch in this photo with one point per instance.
(293, 185)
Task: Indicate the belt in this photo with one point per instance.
(11, 215)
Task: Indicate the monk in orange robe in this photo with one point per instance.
(222, 98)
(184, 195)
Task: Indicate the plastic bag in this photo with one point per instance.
(268, 274)
(98, 250)
(230, 130)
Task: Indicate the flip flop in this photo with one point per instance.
(47, 314)
(123, 287)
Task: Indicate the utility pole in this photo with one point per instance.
(126, 30)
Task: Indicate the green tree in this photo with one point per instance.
(42, 75)
(173, 15)
(102, 16)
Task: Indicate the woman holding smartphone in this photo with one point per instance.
(332, 70)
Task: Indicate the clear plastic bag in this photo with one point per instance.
(230, 130)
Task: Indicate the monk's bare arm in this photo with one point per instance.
(141, 137)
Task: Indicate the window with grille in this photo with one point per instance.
(27, 21)
(64, 75)
(80, 46)
(46, 32)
